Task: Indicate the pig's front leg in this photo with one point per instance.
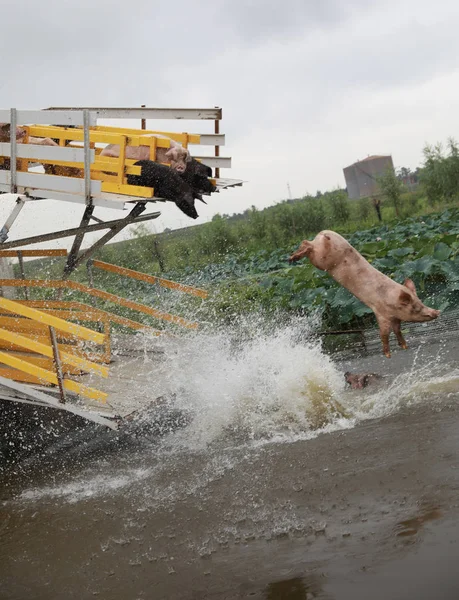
(396, 326)
(385, 327)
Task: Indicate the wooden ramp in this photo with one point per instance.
(49, 347)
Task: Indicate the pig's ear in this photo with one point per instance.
(410, 285)
(404, 298)
(171, 153)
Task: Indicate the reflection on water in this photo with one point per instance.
(295, 589)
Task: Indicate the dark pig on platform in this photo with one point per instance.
(391, 302)
(167, 184)
(196, 175)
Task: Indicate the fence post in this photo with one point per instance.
(57, 364)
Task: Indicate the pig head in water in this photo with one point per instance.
(167, 184)
(175, 155)
(390, 301)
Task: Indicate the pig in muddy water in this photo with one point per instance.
(391, 302)
(358, 381)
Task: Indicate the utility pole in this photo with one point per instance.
(289, 191)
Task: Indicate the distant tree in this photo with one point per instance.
(339, 206)
(391, 188)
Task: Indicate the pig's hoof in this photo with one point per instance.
(404, 346)
(387, 354)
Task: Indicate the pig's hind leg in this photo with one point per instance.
(396, 326)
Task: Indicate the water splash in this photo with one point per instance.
(276, 384)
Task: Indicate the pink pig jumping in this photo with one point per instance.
(390, 301)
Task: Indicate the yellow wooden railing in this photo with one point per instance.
(112, 172)
(172, 285)
(94, 292)
(49, 362)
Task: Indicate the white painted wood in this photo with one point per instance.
(227, 183)
(103, 200)
(48, 401)
(223, 162)
(78, 198)
(50, 182)
(37, 152)
(146, 113)
(211, 139)
(46, 117)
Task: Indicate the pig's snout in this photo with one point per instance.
(432, 314)
(180, 168)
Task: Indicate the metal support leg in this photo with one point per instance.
(57, 364)
(20, 203)
(73, 254)
(135, 212)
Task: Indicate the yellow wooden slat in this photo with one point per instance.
(98, 166)
(192, 138)
(60, 324)
(95, 136)
(59, 283)
(121, 159)
(73, 386)
(51, 252)
(150, 278)
(49, 305)
(17, 375)
(40, 347)
(47, 363)
(128, 190)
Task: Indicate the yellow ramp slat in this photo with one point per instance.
(47, 363)
(50, 252)
(73, 386)
(17, 375)
(21, 342)
(173, 285)
(60, 324)
(58, 283)
(50, 305)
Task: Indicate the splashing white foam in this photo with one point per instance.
(269, 386)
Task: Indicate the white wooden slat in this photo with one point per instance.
(223, 183)
(103, 200)
(50, 182)
(48, 401)
(148, 113)
(211, 139)
(224, 162)
(37, 152)
(45, 117)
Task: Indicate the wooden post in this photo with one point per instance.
(217, 148)
(57, 364)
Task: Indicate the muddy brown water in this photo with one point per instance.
(367, 508)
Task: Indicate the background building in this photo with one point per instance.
(362, 177)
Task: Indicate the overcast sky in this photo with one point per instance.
(307, 86)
